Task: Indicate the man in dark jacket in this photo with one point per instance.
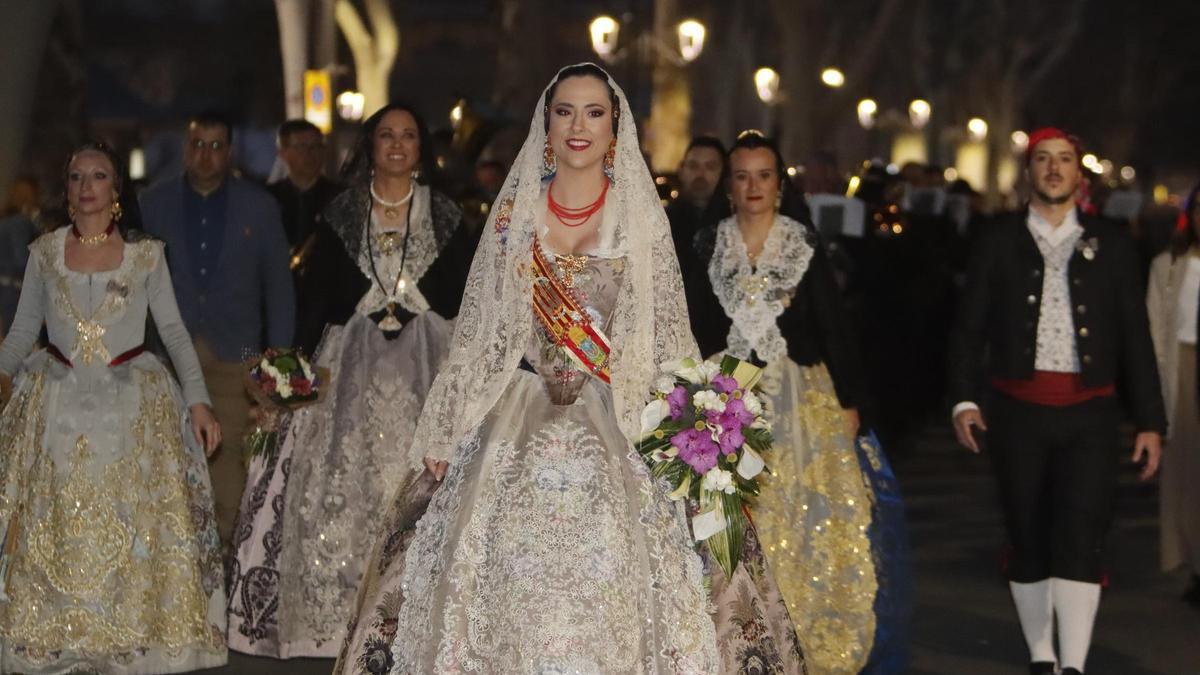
(1054, 299)
(699, 173)
(303, 195)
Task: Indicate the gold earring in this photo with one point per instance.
(549, 163)
(117, 211)
(732, 204)
(778, 200)
(610, 159)
(71, 212)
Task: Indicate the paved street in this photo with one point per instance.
(964, 621)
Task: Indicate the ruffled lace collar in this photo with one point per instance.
(754, 296)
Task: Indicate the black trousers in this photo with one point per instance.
(1056, 468)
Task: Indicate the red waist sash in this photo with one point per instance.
(122, 358)
(1052, 389)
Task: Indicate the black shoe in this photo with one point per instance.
(1041, 668)
(1192, 594)
(1071, 671)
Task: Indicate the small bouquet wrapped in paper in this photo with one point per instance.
(279, 381)
(705, 433)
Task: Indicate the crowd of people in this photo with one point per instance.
(465, 494)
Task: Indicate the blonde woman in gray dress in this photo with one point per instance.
(111, 561)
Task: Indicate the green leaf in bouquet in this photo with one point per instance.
(287, 364)
(261, 443)
(725, 547)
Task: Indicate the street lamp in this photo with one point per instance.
(350, 105)
(456, 113)
(691, 33)
(1020, 140)
(832, 77)
(977, 128)
(919, 112)
(766, 81)
(604, 31)
(866, 113)
(691, 39)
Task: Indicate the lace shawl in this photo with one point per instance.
(650, 323)
(754, 296)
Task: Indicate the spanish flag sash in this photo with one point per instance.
(565, 321)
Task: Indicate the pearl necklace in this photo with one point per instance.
(392, 209)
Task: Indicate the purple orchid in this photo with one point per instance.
(724, 384)
(678, 401)
(696, 449)
(737, 407)
(731, 437)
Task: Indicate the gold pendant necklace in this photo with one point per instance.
(570, 265)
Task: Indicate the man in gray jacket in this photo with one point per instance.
(229, 264)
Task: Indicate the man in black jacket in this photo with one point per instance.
(1052, 317)
(699, 173)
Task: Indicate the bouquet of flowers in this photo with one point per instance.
(281, 380)
(704, 432)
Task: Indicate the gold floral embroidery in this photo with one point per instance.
(89, 341)
(812, 518)
(112, 564)
(22, 426)
(82, 541)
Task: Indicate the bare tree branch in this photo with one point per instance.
(1062, 44)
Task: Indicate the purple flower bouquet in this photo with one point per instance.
(704, 432)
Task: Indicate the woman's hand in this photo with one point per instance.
(853, 422)
(437, 467)
(205, 427)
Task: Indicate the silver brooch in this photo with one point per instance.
(114, 287)
(1088, 247)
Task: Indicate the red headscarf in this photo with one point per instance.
(1050, 133)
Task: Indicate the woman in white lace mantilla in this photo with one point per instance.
(111, 561)
(829, 517)
(546, 546)
(394, 258)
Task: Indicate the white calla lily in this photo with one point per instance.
(653, 414)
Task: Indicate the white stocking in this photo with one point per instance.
(1075, 603)
(1036, 612)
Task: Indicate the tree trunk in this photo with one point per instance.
(292, 16)
(374, 49)
(24, 28)
(669, 128)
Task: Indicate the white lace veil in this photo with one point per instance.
(650, 324)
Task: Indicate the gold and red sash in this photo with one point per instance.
(565, 321)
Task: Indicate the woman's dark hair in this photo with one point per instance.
(1184, 236)
(356, 170)
(791, 200)
(583, 70)
(131, 219)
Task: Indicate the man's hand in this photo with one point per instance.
(1148, 444)
(964, 422)
(437, 467)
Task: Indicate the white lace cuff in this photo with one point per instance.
(960, 407)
